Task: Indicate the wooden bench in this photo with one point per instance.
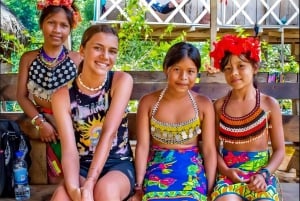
(212, 85)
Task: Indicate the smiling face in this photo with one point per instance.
(239, 72)
(55, 28)
(100, 53)
(182, 75)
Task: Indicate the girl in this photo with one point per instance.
(170, 124)
(92, 123)
(43, 71)
(245, 121)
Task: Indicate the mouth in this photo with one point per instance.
(101, 65)
(55, 37)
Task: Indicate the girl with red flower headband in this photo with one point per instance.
(246, 120)
(42, 72)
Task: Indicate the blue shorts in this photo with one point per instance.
(124, 166)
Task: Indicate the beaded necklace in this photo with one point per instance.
(90, 88)
(49, 61)
(175, 133)
(239, 130)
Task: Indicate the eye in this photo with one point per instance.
(191, 71)
(226, 69)
(65, 25)
(98, 48)
(113, 51)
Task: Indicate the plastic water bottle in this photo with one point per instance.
(22, 189)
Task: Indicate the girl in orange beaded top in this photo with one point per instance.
(246, 120)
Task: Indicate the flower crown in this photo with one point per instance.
(42, 4)
(235, 45)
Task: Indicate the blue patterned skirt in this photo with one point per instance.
(176, 174)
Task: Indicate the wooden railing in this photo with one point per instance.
(273, 13)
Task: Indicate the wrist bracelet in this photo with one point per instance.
(38, 126)
(266, 172)
(138, 186)
(33, 120)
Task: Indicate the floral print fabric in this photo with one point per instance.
(249, 162)
(176, 174)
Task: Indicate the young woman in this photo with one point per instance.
(245, 121)
(44, 70)
(91, 117)
(170, 124)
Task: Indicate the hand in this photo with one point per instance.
(86, 195)
(237, 176)
(138, 195)
(257, 183)
(75, 194)
(47, 132)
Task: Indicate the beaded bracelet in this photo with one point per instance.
(35, 118)
(266, 172)
(137, 186)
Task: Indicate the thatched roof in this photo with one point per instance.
(10, 24)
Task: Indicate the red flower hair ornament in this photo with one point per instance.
(235, 45)
(42, 4)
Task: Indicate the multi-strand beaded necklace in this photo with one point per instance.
(239, 130)
(49, 61)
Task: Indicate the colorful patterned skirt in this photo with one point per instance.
(249, 162)
(175, 175)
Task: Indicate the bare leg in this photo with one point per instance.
(113, 186)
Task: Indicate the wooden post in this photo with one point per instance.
(213, 24)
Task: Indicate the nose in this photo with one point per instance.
(183, 75)
(234, 71)
(57, 28)
(104, 53)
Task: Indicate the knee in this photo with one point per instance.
(59, 194)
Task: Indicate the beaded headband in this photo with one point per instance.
(235, 45)
(42, 4)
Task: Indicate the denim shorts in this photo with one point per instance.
(125, 166)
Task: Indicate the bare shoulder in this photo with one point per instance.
(269, 102)
(202, 99)
(75, 56)
(28, 57)
(122, 78)
(218, 103)
(150, 98)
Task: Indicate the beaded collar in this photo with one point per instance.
(174, 133)
(239, 130)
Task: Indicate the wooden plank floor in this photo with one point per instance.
(44, 192)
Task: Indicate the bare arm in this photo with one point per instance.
(70, 157)
(22, 92)
(208, 141)
(276, 134)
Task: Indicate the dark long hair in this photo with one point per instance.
(179, 51)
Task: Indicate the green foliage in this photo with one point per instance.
(13, 48)
(137, 50)
(271, 59)
(26, 12)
